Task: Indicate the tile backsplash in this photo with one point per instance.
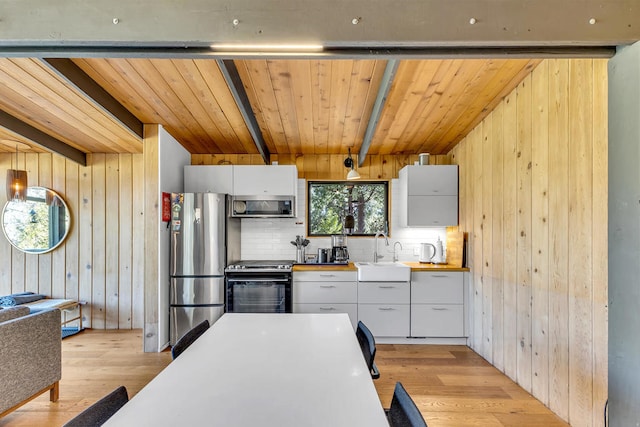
(270, 238)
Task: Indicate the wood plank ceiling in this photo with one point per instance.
(301, 106)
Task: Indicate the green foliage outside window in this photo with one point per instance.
(361, 206)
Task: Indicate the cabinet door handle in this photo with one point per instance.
(327, 286)
(439, 308)
(385, 308)
(327, 275)
(327, 308)
(387, 287)
(440, 276)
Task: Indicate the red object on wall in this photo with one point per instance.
(166, 207)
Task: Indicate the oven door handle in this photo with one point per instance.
(256, 279)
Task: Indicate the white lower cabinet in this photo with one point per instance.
(430, 306)
(326, 292)
(437, 304)
(433, 320)
(386, 320)
(327, 308)
(385, 308)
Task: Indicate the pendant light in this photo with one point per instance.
(348, 162)
(16, 183)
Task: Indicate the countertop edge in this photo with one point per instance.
(415, 266)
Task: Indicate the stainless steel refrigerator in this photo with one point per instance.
(203, 241)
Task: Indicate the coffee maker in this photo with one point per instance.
(339, 252)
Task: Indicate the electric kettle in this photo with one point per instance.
(427, 252)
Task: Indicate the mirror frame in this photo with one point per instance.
(68, 222)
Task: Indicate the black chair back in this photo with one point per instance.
(187, 339)
(403, 411)
(368, 347)
(98, 413)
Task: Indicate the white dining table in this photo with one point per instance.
(263, 370)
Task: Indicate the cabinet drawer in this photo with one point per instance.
(433, 320)
(350, 309)
(386, 320)
(323, 292)
(329, 276)
(437, 288)
(384, 292)
(434, 211)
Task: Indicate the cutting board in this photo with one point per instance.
(455, 247)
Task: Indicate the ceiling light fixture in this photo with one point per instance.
(16, 183)
(349, 163)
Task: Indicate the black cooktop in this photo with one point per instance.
(250, 265)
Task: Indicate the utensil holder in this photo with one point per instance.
(300, 255)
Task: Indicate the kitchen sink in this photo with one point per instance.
(383, 272)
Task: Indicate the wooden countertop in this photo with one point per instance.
(316, 267)
(415, 266)
(418, 266)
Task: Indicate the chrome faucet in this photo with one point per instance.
(395, 254)
(377, 256)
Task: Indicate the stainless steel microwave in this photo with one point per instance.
(262, 206)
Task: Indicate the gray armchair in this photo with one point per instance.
(30, 354)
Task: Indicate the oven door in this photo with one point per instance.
(258, 293)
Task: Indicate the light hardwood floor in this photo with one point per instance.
(451, 385)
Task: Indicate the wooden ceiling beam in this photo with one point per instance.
(378, 105)
(232, 77)
(72, 74)
(41, 139)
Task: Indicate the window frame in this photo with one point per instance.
(387, 207)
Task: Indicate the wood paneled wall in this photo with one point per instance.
(325, 166)
(533, 200)
(102, 260)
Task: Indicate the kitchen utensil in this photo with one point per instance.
(427, 252)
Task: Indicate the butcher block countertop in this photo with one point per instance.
(418, 266)
(324, 267)
(415, 266)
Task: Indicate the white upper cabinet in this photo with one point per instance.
(265, 180)
(429, 196)
(208, 179)
(243, 180)
(441, 180)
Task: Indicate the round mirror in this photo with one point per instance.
(39, 224)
